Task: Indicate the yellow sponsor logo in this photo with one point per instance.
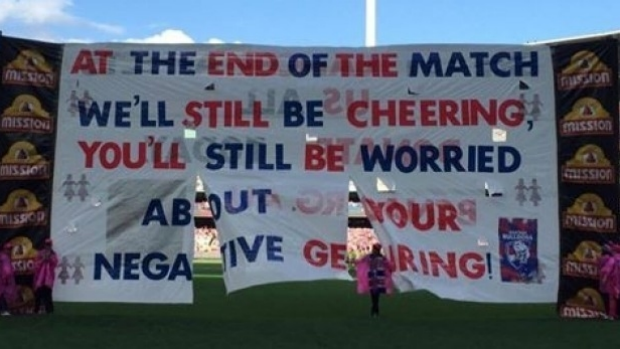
(585, 70)
(588, 213)
(583, 262)
(29, 68)
(22, 209)
(587, 117)
(588, 165)
(26, 114)
(22, 161)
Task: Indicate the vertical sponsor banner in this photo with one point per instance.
(124, 195)
(28, 104)
(587, 128)
(280, 228)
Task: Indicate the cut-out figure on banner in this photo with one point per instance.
(82, 184)
(521, 188)
(536, 107)
(77, 270)
(68, 184)
(534, 189)
(86, 99)
(73, 103)
(64, 266)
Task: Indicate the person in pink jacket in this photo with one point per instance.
(44, 277)
(609, 277)
(374, 276)
(8, 289)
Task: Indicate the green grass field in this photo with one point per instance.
(303, 315)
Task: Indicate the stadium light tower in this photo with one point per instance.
(371, 23)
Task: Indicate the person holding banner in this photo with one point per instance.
(44, 277)
(374, 276)
(8, 289)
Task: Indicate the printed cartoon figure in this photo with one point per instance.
(521, 188)
(77, 270)
(73, 103)
(534, 189)
(519, 254)
(82, 184)
(536, 107)
(64, 266)
(68, 185)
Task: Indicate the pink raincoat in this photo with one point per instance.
(8, 288)
(362, 267)
(609, 278)
(609, 275)
(45, 269)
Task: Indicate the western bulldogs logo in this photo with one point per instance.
(518, 250)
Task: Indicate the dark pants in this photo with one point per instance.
(43, 296)
(374, 298)
(4, 306)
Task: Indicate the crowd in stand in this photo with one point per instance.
(359, 242)
(206, 243)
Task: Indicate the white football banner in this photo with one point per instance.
(278, 228)
(451, 148)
